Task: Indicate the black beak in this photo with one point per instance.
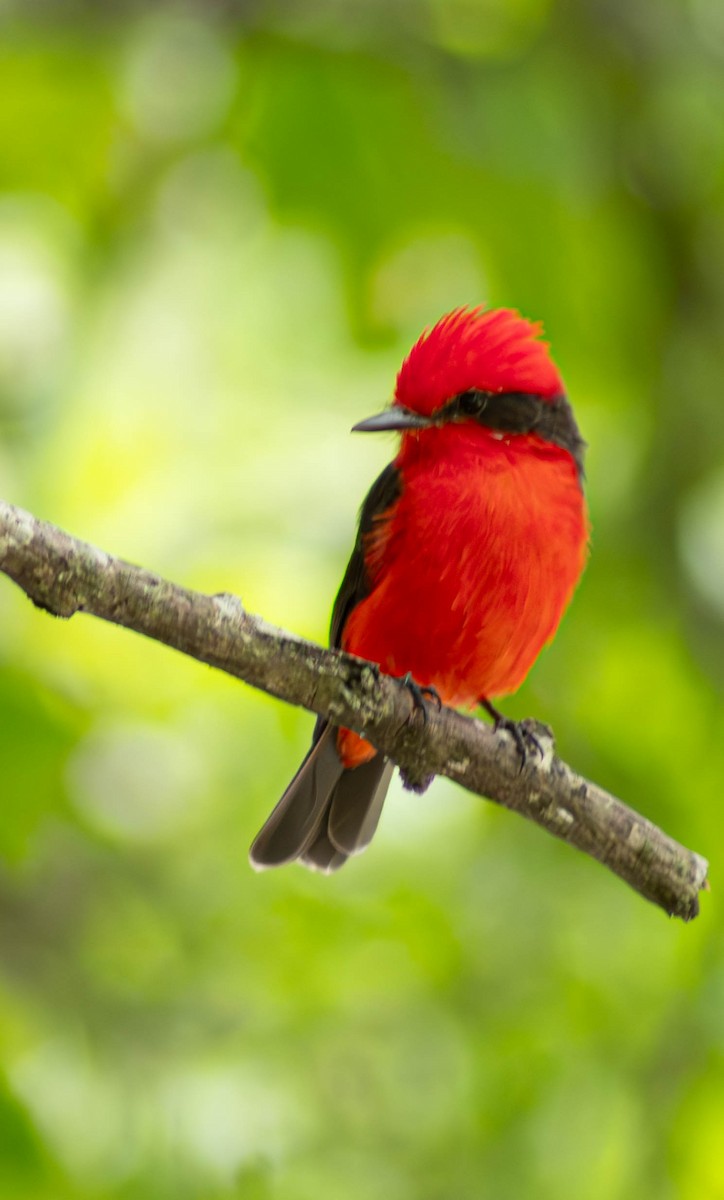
(392, 418)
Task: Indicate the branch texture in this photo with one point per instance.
(64, 576)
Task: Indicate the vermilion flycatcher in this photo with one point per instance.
(469, 547)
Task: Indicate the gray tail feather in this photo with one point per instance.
(327, 813)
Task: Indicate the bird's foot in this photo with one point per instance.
(421, 696)
(522, 733)
(413, 780)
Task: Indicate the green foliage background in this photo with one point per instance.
(221, 227)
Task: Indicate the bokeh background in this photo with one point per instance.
(221, 227)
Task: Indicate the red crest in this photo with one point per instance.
(491, 350)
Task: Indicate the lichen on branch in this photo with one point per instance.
(64, 576)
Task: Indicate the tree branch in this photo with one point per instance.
(64, 576)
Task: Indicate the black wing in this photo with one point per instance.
(329, 812)
(356, 585)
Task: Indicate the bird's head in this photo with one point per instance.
(485, 365)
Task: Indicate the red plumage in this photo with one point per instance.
(494, 350)
(474, 565)
(470, 546)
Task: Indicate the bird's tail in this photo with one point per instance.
(327, 813)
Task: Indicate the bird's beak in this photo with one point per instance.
(392, 418)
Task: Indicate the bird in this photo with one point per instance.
(469, 547)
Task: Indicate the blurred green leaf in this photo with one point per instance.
(221, 227)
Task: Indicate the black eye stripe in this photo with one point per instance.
(519, 412)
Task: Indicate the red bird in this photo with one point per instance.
(469, 547)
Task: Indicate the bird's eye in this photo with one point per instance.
(471, 404)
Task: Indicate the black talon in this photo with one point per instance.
(520, 732)
(420, 695)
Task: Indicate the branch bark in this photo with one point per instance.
(64, 576)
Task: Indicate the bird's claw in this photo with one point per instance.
(421, 695)
(525, 739)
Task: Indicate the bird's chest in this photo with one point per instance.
(478, 535)
(478, 562)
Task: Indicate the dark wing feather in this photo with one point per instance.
(356, 585)
(329, 812)
(356, 805)
(296, 820)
